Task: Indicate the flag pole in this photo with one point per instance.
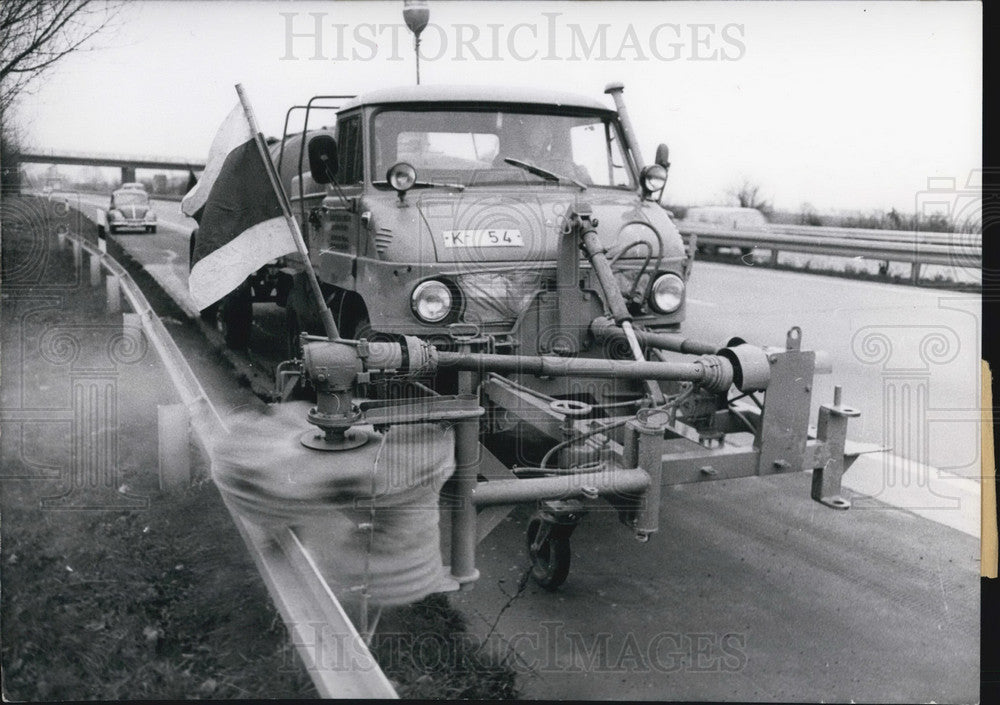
(324, 311)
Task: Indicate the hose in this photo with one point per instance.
(659, 240)
(645, 264)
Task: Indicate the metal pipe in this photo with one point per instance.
(615, 89)
(710, 370)
(463, 510)
(648, 439)
(632, 481)
(595, 253)
(463, 516)
(603, 328)
(615, 302)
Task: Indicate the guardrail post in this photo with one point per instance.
(77, 255)
(915, 273)
(113, 289)
(173, 425)
(132, 329)
(774, 257)
(95, 270)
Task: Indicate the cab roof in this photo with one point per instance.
(475, 94)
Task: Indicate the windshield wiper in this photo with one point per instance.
(425, 184)
(544, 173)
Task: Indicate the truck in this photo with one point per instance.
(440, 193)
(499, 258)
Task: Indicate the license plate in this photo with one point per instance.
(483, 238)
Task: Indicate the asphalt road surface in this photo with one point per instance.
(752, 591)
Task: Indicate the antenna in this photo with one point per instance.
(416, 15)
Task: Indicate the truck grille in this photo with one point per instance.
(498, 297)
(383, 238)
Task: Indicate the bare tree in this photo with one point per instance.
(748, 195)
(808, 215)
(35, 34)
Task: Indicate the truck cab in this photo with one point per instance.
(449, 208)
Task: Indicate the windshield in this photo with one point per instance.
(130, 199)
(469, 147)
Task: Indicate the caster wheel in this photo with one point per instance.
(550, 557)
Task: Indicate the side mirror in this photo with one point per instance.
(323, 159)
(663, 156)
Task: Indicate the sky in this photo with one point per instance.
(842, 105)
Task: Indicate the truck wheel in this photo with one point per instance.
(234, 318)
(550, 558)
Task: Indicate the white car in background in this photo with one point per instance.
(129, 209)
(750, 220)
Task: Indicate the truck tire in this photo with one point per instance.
(234, 318)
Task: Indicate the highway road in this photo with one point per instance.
(752, 591)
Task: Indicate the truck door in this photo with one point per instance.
(336, 224)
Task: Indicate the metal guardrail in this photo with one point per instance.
(335, 655)
(926, 237)
(914, 247)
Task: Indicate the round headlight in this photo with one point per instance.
(401, 176)
(654, 178)
(431, 301)
(667, 293)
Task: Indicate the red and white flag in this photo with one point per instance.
(241, 225)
